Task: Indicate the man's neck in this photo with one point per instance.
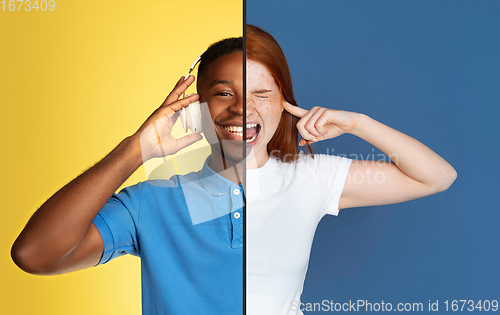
(226, 167)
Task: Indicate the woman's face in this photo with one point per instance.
(264, 105)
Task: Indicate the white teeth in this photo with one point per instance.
(238, 130)
(252, 139)
(255, 135)
(234, 129)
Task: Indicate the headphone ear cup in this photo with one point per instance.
(184, 122)
(189, 112)
(191, 117)
(195, 116)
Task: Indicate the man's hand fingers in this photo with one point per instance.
(179, 88)
(177, 105)
(173, 117)
(187, 140)
(294, 110)
(179, 82)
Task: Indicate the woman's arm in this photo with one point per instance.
(415, 171)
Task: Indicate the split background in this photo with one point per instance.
(76, 81)
(430, 69)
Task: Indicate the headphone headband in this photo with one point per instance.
(191, 69)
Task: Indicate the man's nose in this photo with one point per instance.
(237, 106)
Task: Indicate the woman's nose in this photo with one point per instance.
(250, 104)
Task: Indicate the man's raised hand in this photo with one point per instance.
(155, 134)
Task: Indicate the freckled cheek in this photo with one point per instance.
(270, 113)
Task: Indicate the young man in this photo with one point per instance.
(187, 267)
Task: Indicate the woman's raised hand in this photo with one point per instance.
(321, 123)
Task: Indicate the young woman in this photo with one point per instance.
(289, 192)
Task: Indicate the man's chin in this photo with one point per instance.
(231, 150)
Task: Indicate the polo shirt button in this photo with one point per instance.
(236, 191)
(237, 215)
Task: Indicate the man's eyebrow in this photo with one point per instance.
(261, 91)
(216, 81)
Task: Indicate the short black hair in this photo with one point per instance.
(218, 49)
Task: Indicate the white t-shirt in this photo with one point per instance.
(284, 204)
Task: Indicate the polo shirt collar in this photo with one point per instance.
(209, 195)
(214, 183)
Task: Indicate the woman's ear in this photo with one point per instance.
(283, 101)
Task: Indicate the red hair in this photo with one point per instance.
(262, 47)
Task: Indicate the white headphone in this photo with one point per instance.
(191, 114)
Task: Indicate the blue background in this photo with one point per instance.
(430, 69)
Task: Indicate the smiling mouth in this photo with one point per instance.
(252, 131)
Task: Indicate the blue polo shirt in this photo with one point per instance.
(188, 232)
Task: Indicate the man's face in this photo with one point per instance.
(221, 87)
(264, 106)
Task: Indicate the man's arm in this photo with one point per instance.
(60, 236)
(416, 170)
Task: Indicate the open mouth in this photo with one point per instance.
(252, 131)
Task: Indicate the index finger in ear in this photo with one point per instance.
(179, 88)
(295, 110)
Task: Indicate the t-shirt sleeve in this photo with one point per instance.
(332, 172)
(117, 223)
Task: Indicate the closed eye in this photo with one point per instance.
(261, 93)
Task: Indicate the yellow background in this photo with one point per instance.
(73, 83)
